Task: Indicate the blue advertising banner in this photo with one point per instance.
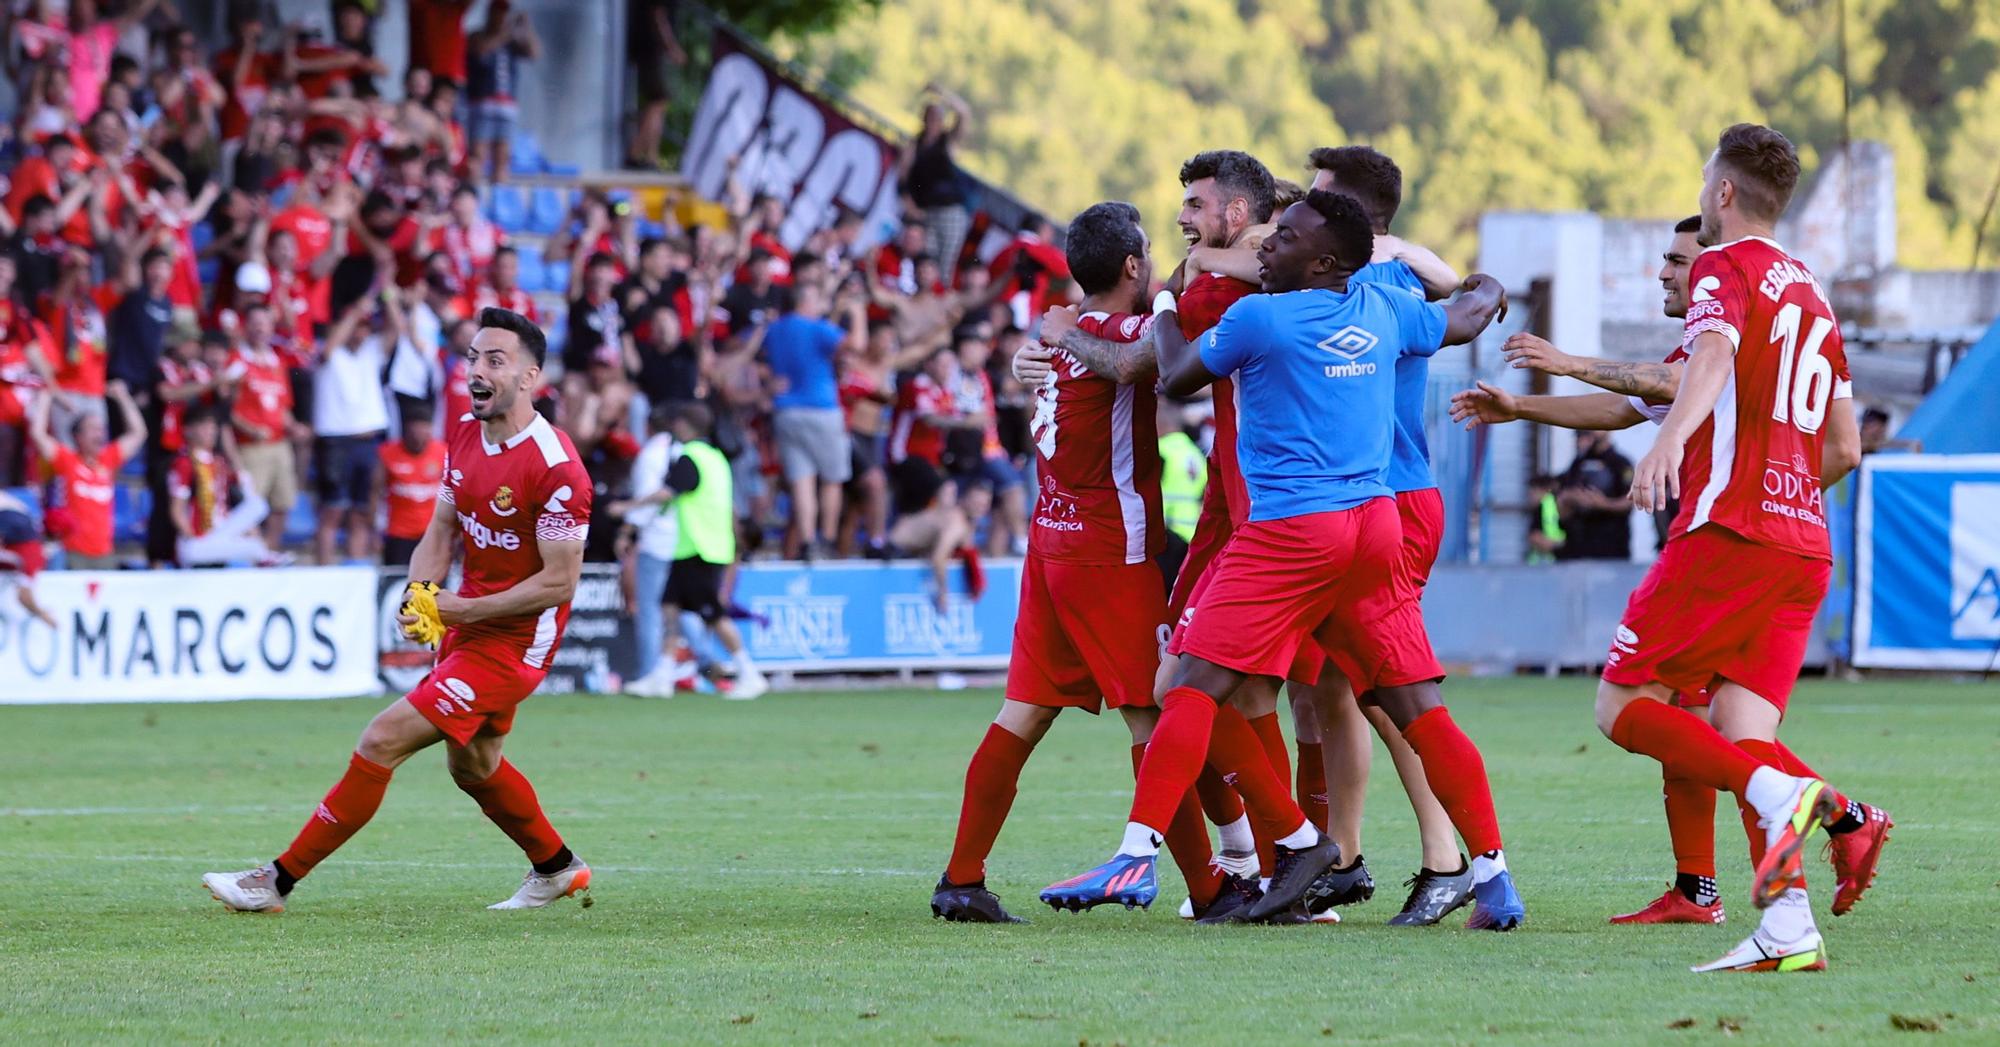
(1927, 563)
(869, 616)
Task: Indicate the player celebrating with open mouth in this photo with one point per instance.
(517, 495)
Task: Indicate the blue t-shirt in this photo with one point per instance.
(801, 351)
(1410, 462)
(1315, 391)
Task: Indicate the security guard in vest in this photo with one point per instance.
(706, 506)
(1183, 477)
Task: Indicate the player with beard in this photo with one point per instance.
(1228, 197)
(1092, 601)
(1317, 559)
(517, 497)
(1636, 392)
(1729, 606)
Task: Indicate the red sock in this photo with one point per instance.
(1690, 824)
(1311, 782)
(347, 807)
(1187, 841)
(1241, 757)
(1174, 757)
(1766, 753)
(1683, 744)
(1789, 762)
(1218, 800)
(1457, 775)
(989, 795)
(1273, 741)
(509, 801)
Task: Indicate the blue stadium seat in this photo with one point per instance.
(651, 229)
(509, 208)
(30, 497)
(546, 210)
(301, 523)
(533, 278)
(131, 507)
(524, 155)
(203, 234)
(556, 323)
(558, 276)
(210, 271)
(565, 170)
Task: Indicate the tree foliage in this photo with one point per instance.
(1488, 104)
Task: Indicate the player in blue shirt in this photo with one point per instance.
(1314, 364)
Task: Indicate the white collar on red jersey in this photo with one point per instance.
(537, 430)
(1765, 240)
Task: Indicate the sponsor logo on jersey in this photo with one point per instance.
(456, 691)
(503, 501)
(1703, 309)
(485, 537)
(1705, 288)
(1624, 641)
(1350, 343)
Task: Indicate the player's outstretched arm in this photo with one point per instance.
(1709, 367)
(1182, 372)
(1480, 299)
(1654, 383)
(552, 586)
(1122, 362)
(1491, 405)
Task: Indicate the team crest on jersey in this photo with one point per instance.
(503, 501)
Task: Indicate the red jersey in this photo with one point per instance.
(412, 482)
(469, 247)
(484, 295)
(247, 99)
(263, 406)
(172, 413)
(76, 336)
(1098, 447)
(1201, 307)
(197, 479)
(1753, 466)
(509, 497)
(437, 37)
(913, 437)
(87, 494)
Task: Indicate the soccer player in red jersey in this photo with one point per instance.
(1316, 560)
(1093, 604)
(516, 494)
(1730, 603)
(1637, 392)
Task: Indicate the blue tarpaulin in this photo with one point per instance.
(1958, 416)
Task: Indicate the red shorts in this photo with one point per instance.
(1211, 535)
(1422, 514)
(1087, 635)
(1326, 576)
(473, 689)
(1717, 606)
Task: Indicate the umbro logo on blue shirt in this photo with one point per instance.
(1350, 343)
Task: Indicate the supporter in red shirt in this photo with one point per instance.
(76, 330)
(408, 472)
(85, 475)
(467, 239)
(500, 288)
(925, 410)
(437, 37)
(1029, 266)
(760, 226)
(391, 236)
(185, 380)
(262, 417)
(24, 358)
(246, 71)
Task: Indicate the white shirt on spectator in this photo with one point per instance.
(347, 394)
(658, 525)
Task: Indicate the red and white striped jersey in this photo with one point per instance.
(508, 497)
(1097, 445)
(1753, 466)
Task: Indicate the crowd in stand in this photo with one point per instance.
(237, 288)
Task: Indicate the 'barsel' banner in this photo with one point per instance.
(192, 636)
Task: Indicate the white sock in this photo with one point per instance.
(1140, 842)
(1487, 866)
(1236, 836)
(1789, 919)
(1769, 792)
(1263, 883)
(1302, 837)
(744, 666)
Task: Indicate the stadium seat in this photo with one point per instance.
(509, 208)
(565, 170)
(649, 229)
(534, 277)
(202, 234)
(546, 210)
(301, 523)
(557, 325)
(131, 507)
(30, 497)
(524, 153)
(557, 276)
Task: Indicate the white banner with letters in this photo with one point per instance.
(144, 636)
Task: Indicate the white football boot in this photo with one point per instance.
(252, 890)
(538, 890)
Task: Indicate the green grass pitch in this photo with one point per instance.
(763, 872)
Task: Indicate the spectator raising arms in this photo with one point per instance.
(84, 469)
